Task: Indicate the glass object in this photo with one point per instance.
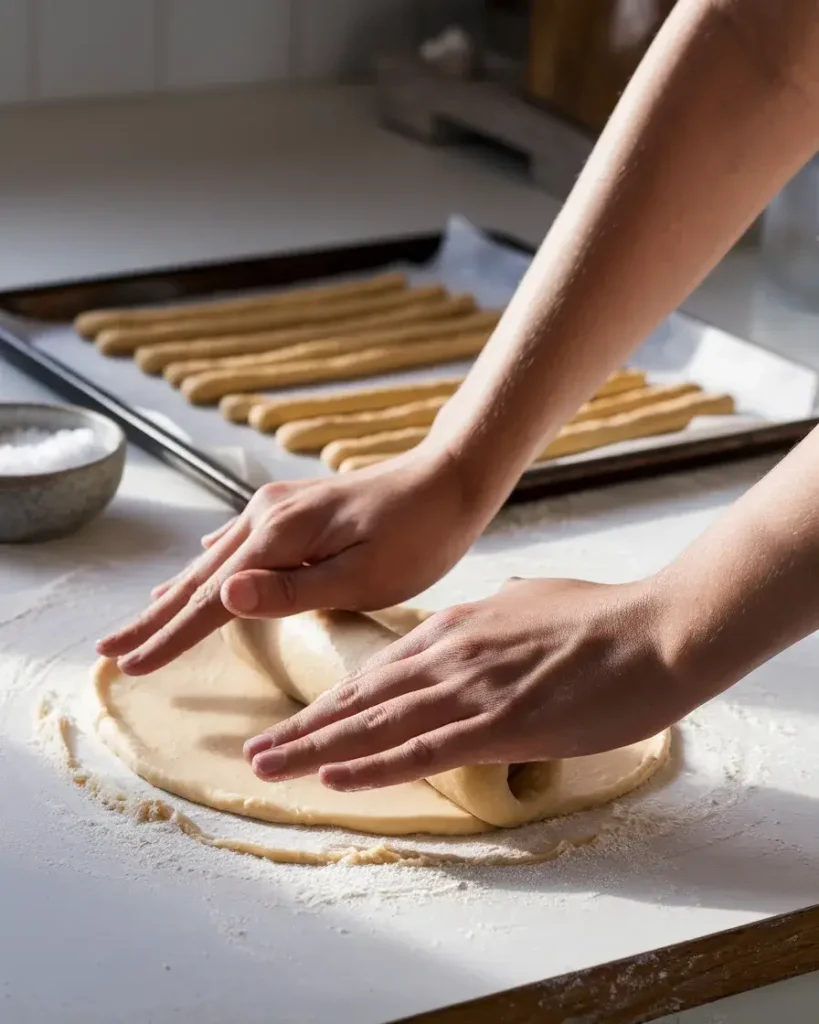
(790, 238)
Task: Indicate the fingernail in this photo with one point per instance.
(257, 745)
(243, 594)
(269, 763)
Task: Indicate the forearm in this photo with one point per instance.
(720, 114)
(749, 587)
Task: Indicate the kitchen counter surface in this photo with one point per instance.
(100, 188)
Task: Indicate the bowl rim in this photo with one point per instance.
(7, 479)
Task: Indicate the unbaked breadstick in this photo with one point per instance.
(662, 418)
(125, 340)
(311, 435)
(270, 413)
(622, 380)
(236, 408)
(628, 401)
(402, 326)
(362, 461)
(389, 442)
(91, 323)
(206, 388)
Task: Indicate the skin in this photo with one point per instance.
(723, 110)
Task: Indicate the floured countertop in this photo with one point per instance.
(107, 918)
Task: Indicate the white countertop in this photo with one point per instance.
(97, 930)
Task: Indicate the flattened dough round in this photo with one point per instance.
(182, 728)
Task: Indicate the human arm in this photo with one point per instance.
(721, 112)
(560, 668)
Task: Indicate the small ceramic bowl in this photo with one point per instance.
(40, 506)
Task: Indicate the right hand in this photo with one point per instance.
(359, 542)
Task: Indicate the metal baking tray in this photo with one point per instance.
(35, 330)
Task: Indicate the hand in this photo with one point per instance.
(545, 669)
(358, 542)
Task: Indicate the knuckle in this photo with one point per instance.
(451, 618)
(347, 696)
(286, 582)
(419, 751)
(205, 594)
(374, 717)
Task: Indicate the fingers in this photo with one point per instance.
(210, 538)
(192, 584)
(382, 727)
(273, 593)
(352, 697)
(421, 755)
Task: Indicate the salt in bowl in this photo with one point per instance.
(38, 502)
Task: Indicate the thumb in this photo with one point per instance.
(276, 593)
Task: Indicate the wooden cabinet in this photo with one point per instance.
(583, 52)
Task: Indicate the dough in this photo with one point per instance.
(388, 442)
(182, 729)
(124, 340)
(628, 401)
(236, 408)
(91, 323)
(661, 418)
(224, 350)
(580, 435)
(274, 412)
(311, 435)
(420, 323)
(207, 388)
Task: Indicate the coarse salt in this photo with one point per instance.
(28, 451)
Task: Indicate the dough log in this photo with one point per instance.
(125, 340)
(236, 408)
(308, 654)
(93, 322)
(663, 417)
(271, 413)
(311, 435)
(246, 349)
(406, 331)
(207, 388)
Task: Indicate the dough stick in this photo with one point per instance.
(124, 340)
(404, 326)
(207, 388)
(92, 323)
(389, 442)
(623, 380)
(332, 347)
(628, 401)
(270, 413)
(662, 418)
(311, 435)
(236, 408)
(362, 461)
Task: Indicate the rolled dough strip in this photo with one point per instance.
(236, 408)
(404, 332)
(309, 654)
(662, 418)
(622, 380)
(270, 413)
(250, 347)
(206, 388)
(93, 322)
(389, 442)
(659, 418)
(355, 462)
(125, 340)
(311, 435)
(628, 401)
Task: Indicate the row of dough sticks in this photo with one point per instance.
(227, 350)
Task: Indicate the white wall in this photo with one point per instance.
(62, 49)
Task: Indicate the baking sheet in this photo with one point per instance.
(767, 387)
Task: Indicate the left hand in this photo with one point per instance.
(544, 669)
